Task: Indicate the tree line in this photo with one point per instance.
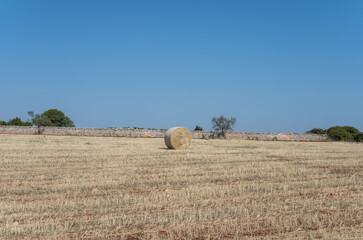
(50, 117)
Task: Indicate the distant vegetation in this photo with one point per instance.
(317, 131)
(340, 133)
(198, 128)
(358, 137)
(222, 124)
(16, 122)
(51, 117)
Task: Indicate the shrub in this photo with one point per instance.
(3, 123)
(317, 131)
(359, 137)
(198, 128)
(18, 122)
(340, 134)
(351, 130)
(15, 122)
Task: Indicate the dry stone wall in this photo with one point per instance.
(93, 132)
(265, 136)
(143, 133)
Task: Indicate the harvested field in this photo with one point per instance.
(127, 188)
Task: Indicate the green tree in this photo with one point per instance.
(58, 118)
(3, 123)
(51, 117)
(15, 122)
(198, 128)
(18, 122)
(339, 133)
(39, 120)
(359, 137)
(222, 124)
(351, 130)
(317, 131)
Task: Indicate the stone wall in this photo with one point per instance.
(71, 131)
(143, 133)
(264, 136)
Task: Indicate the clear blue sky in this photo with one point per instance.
(277, 66)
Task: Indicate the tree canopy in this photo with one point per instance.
(222, 124)
(17, 122)
(51, 117)
(198, 128)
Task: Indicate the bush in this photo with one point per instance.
(3, 123)
(198, 128)
(341, 134)
(359, 137)
(351, 130)
(18, 122)
(15, 122)
(317, 131)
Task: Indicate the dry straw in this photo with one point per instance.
(178, 138)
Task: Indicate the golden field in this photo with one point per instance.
(127, 188)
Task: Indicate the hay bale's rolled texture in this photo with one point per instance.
(178, 138)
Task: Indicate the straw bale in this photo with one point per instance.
(178, 138)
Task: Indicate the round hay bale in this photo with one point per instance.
(178, 138)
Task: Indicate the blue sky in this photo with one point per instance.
(277, 66)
